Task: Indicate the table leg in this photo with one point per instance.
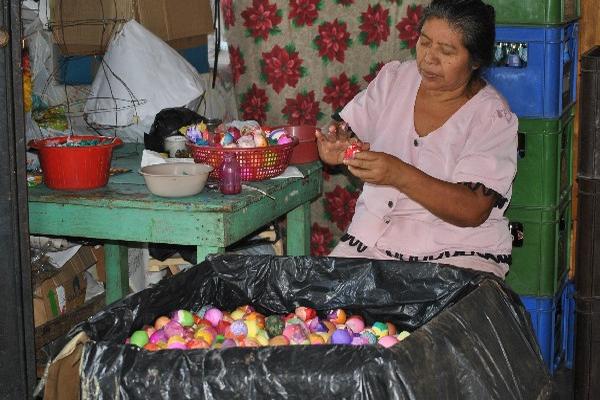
(203, 251)
(298, 231)
(117, 272)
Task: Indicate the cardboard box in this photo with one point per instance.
(85, 27)
(181, 23)
(65, 291)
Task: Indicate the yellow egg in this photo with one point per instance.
(237, 314)
(252, 327)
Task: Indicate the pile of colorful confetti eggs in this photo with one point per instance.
(247, 136)
(244, 327)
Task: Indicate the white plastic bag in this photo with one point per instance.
(139, 76)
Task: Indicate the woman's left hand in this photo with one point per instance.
(376, 167)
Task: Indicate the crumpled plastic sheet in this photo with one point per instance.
(471, 338)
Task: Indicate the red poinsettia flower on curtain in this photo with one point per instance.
(261, 19)
(375, 25)
(339, 205)
(236, 59)
(228, 14)
(304, 12)
(340, 90)
(373, 71)
(302, 110)
(281, 66)
(255, 104)
(321, 240)
(333, 40)
(408, 27)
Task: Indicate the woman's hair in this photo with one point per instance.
(475, 20)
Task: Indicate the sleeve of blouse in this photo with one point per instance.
(361, 112)
(490, 154)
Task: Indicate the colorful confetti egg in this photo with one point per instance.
(235, 132)
(337, 316)
(391, 329)
(151, 347)
(139, 338)
(279, 341)
(174, 328)
(341, 336)
(330, 326)
(158, 336)
(260, 140)
(161, 321)
(214, 316)
(207, 334)
(176, 342)
(315, 338)
(251, 342)
(274, 325)
(226, 139)
(380, 329)
(197, 344)
(237, 329)
(305, 313)
(284, 140)
(246, 142)
(315, 325)
(388, 341)
(252, 326)
(237, 314)
(296, 333)
(370, 337)
(355, 323)
(222, 327)
(258, 317)
(202, 311)
(358, 340)
(184, 317)
(227, 343)
(277, 133)
(262, 337)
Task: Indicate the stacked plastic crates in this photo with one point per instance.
(535, 69)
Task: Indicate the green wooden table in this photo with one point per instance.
(125, 211)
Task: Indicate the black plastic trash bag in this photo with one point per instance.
(166, 123)
(471, 338)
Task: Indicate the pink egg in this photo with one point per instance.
(176, 345)
(214, 316)
(387, 341)
(355, 323)
(174, 328)
(159, 336)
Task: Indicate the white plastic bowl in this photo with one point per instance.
(180, 179)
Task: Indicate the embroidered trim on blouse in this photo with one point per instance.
(361, 247)
(500, 200)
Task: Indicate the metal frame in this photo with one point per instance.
(17, 355)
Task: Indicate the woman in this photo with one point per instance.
(439, 148)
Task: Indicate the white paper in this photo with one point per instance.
(140, 75)
(59, 258)
(290, 172)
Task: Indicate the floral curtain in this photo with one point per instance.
(300, 61)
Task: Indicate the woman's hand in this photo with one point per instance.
(334, 142)
(378, 168)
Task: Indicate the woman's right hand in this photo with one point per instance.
(334, 142)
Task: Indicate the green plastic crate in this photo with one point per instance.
(540, 264)
(545, 161)
(535, 12)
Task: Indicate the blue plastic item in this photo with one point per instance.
(553, 320)
(542, 84)
(198, 57)
(76, 70)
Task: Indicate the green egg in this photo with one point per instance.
(139, 338)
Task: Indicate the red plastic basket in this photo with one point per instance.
(78, 167)
(256, 163)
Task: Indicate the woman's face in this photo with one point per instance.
(442, 59)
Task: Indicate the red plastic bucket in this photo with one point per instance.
(306, 151)
(76, 167)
